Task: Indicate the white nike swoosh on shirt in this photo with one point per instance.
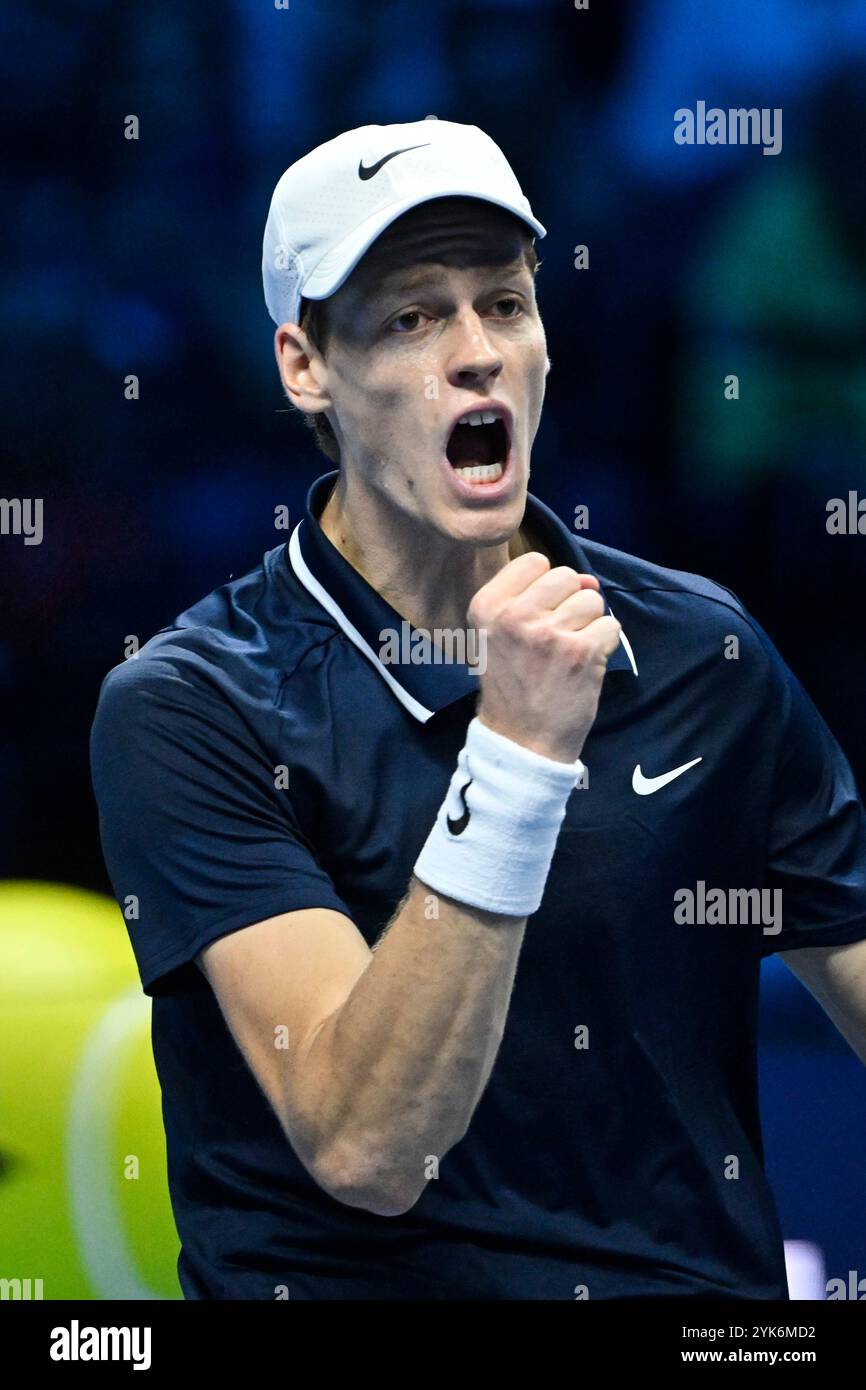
(645, 786)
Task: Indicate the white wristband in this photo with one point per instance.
(495, 832)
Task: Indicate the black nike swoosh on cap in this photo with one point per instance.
(367, 171)
(458, 826)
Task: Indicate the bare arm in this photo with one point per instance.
(388, 1051)
(836, 976)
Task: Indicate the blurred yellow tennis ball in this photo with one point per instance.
(83, 1193)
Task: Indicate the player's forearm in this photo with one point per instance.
(392, 1078)
(394, 1075)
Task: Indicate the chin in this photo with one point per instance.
(495, 526)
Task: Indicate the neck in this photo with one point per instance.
(383, 545)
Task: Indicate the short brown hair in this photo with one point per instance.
(314, 322)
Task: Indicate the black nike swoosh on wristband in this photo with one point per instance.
(458, 826)
(367, 171)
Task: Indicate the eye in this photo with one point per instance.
(407, 322)
(509, 306)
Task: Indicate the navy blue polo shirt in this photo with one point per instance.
(616, 1150)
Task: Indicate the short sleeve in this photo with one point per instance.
(198, 839)
(816, 848)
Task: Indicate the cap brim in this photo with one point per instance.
(337, 264)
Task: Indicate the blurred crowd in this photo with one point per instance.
(142, 257)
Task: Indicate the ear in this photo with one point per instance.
(302, 369)
(547, 364)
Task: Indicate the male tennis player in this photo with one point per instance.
(454, 950)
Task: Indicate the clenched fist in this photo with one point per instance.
(548, 645)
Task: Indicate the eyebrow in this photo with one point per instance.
(416, 279)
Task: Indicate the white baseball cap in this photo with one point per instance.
(329, 207)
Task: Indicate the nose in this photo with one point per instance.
(473, 359)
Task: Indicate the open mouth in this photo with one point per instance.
(478, 446)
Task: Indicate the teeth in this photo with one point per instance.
(481, 472)
(480, 417)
